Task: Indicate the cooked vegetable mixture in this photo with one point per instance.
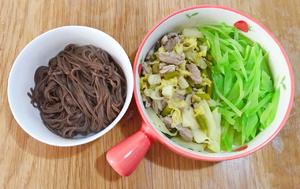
(208, 88)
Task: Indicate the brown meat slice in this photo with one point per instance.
(169, 41)
(167, 121)
(157, 106)
(195, 73)
(179, 96)
(170, 58)
(167, 68)
(185, 133)
(146, 68)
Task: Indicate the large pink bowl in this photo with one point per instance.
(125, 156)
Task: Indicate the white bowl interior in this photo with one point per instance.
(37, 53)
(278, 64)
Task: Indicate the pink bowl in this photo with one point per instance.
(125, 156)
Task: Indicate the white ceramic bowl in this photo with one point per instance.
(37, 53)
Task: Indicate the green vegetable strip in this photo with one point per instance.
(236, 35)
(253, 78)
(236, 46)
(216, 28)
(227, 115)
(240, 84)
(227, 137)
(268, 115)
(249, 124)
(239, 59)
(247, 52)
(232, 106)
(261, 104)
(228, 81)
(216, 44)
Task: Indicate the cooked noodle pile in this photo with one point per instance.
(80, 92)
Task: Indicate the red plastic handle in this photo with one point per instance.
(125, 156)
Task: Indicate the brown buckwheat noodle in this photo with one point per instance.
(80, 92)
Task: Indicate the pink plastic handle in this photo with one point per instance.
(125, 156)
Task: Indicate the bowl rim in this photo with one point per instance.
(87, 139)
(166, 141)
